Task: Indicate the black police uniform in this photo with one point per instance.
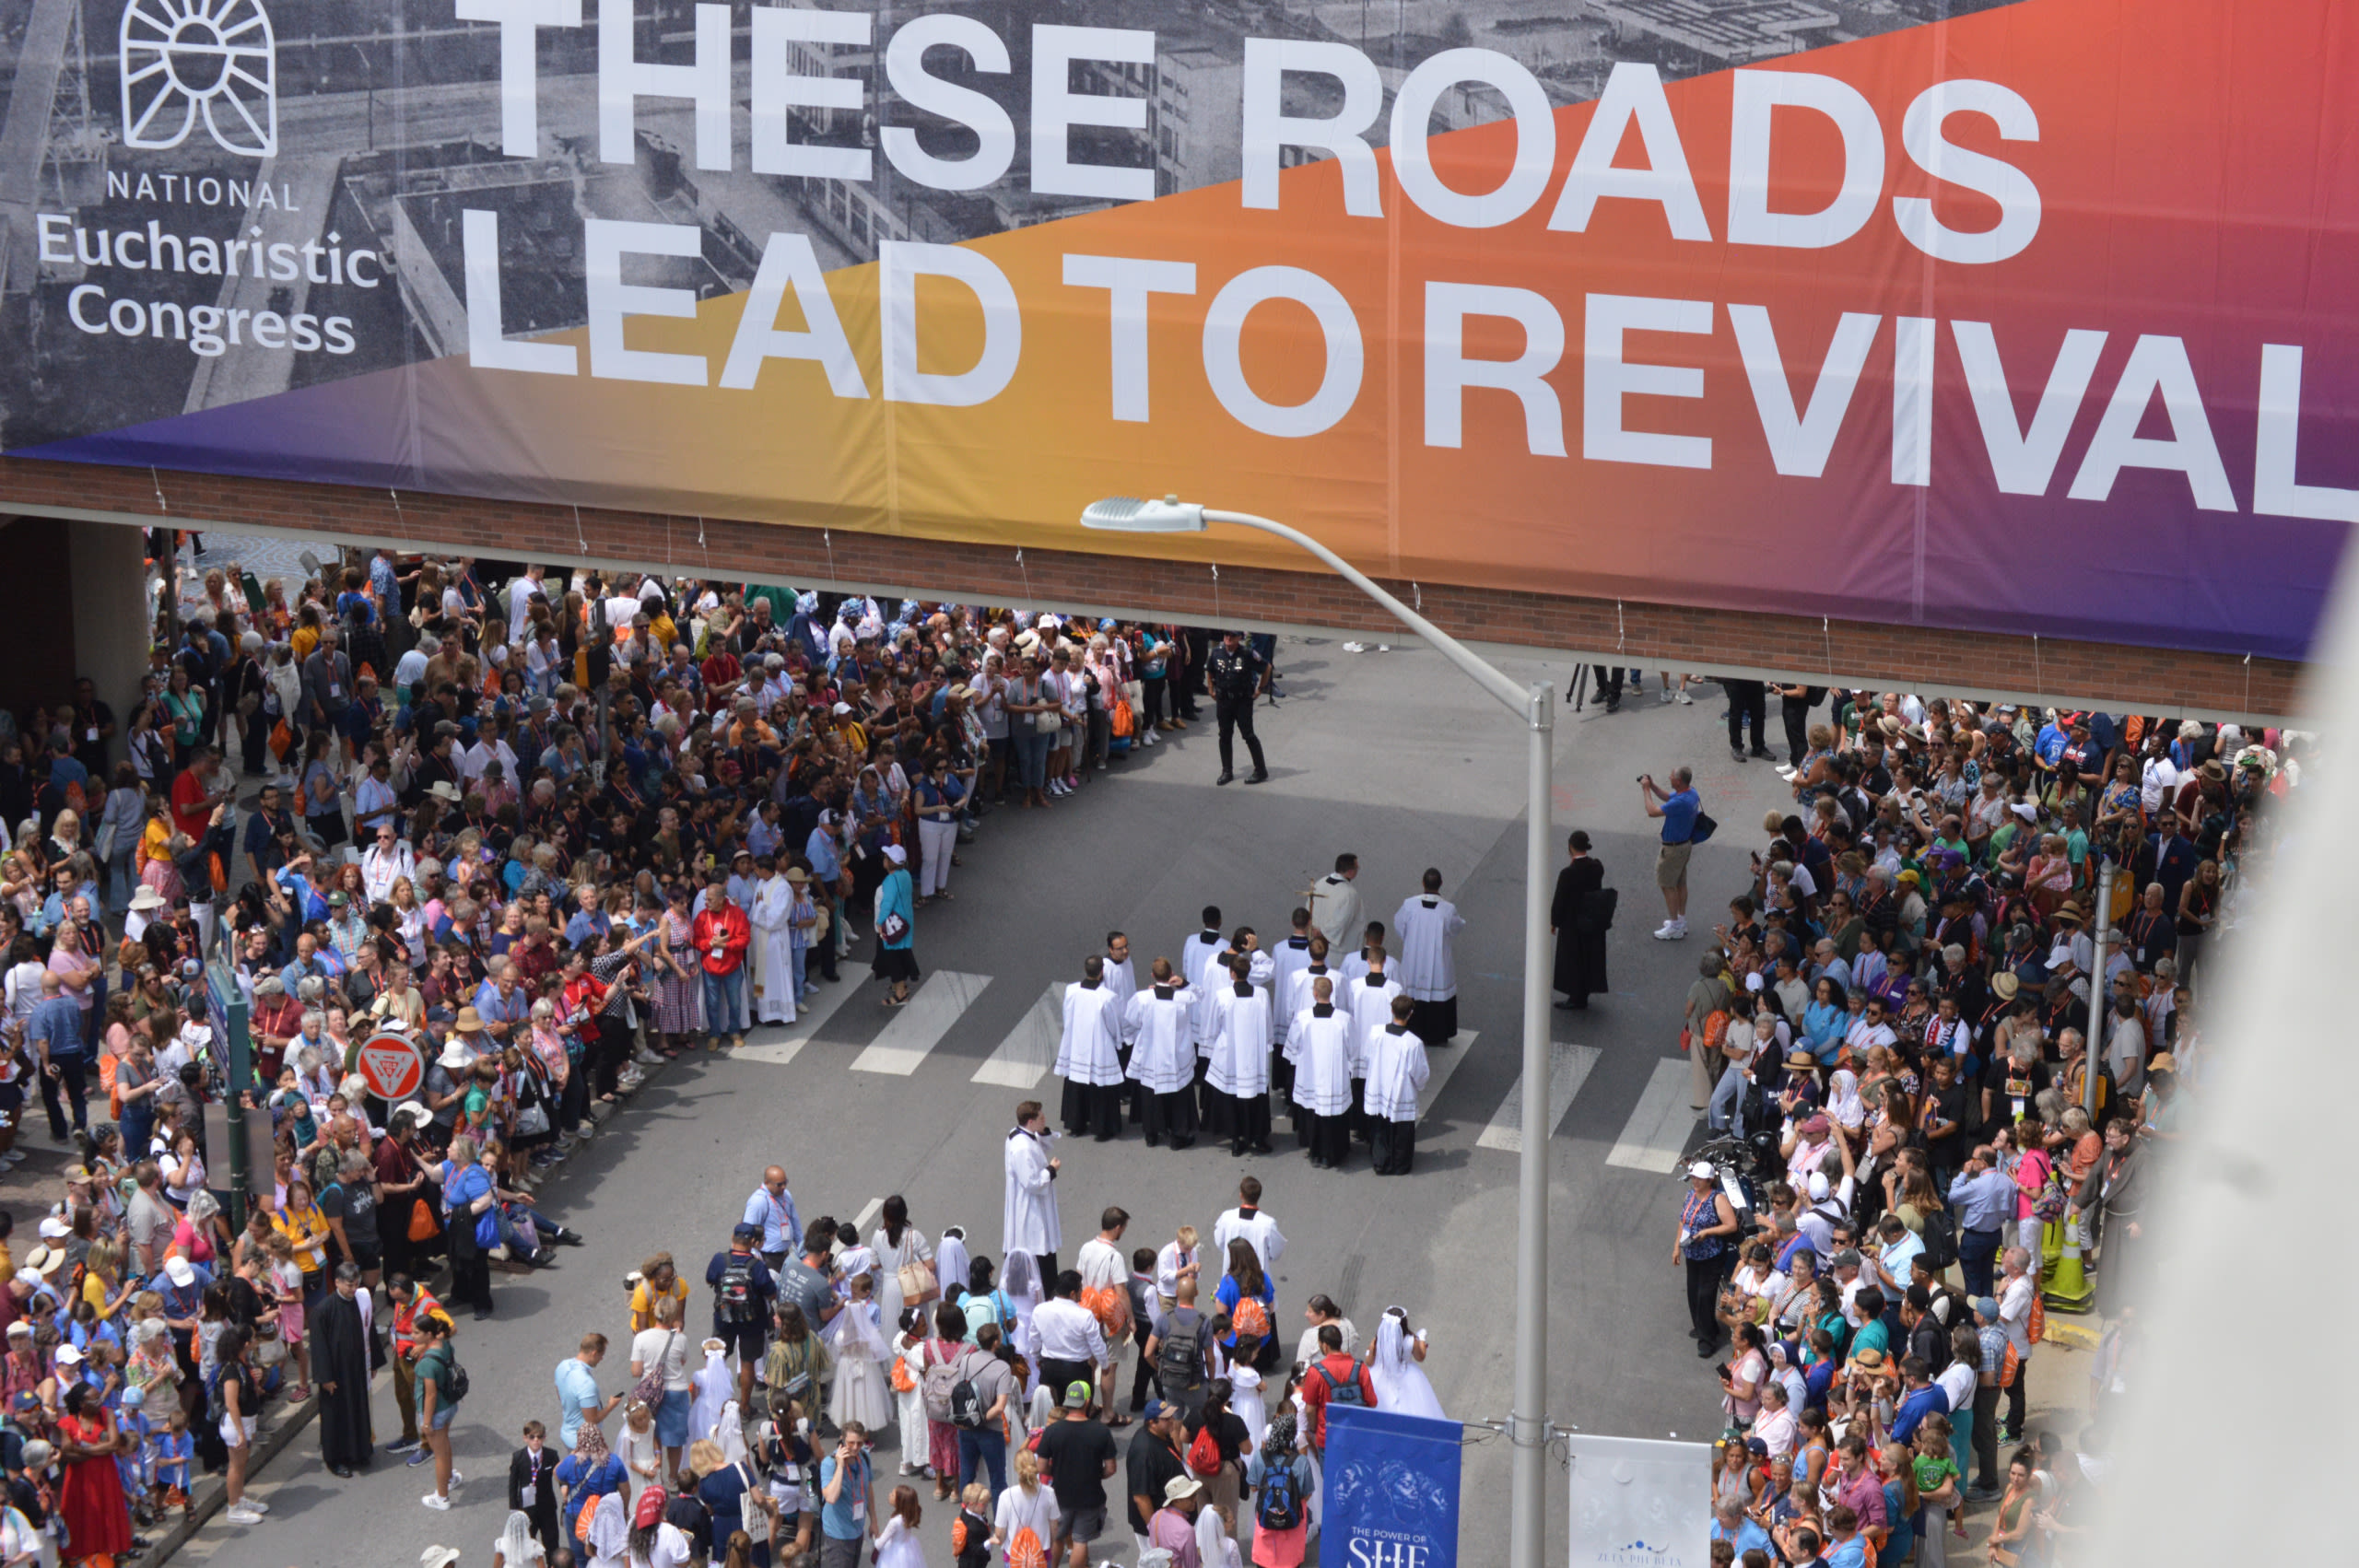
(1234, 675)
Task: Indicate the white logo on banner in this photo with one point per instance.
(186, 58)
(1640, 1503)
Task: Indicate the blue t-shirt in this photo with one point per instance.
(577, 1390)
(1679, 812)
(837, 1521)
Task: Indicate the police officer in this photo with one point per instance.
(1235, 675)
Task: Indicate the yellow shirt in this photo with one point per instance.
(643, 1303)
(309, 1232)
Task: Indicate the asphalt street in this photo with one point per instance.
(1392, 755)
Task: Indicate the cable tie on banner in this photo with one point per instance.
(1216, 610)
(1826, 630)
(2247, 682)
(1418, 594)
(2038, 681)
(828, 537)
(398, 516)
(1026, 571)
(579, 537)
(1620, 628)
(159, 483)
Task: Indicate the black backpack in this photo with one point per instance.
(1180, 1359)
(1940, 1236)
(1279, 1505)
(965, 1405)
(454, 1376)
(735, 1293)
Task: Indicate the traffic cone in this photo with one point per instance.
(2068, 1288)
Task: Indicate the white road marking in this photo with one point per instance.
(1444, 1062)
(1658, 1128)
(1568, 1069)
(859, 1221)
(779, 1044)
(941, 998)
(1031, 1048)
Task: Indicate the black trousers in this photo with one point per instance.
(1328, 1137)
(1704, 1277)
(1748, 704)
(1248, 1121)
(1986, 1436)
(1237, 717)
(70, 1072)
(1796, 714)
(1609, 685)
(1172, 1117)
(1394, 1146)
(2015, 1395)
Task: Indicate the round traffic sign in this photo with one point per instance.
(391, 1066)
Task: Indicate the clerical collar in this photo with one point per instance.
(1243, 989)
(1396, 1028)
(1209, 933)
(1316, 969)
(1092, 985)
(1323, 1008)
(1374, 977)
(1430, 899)
(1300, 943)
(1163, 992)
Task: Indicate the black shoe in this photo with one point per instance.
(1237, 1149)
(1263, 1149)
(1765, 754)
(342, 1472)
(569, 1237)
(1737, 753)
(1259, 775)
(1225, 778)
(1609, 707)
(1704, 1348)
(1178, 1143)
(482, 1313)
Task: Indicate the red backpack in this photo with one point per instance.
(1204, 1453)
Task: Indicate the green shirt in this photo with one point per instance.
(434, 1367)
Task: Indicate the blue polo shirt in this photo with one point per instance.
(837, 1520)
(1678, 816)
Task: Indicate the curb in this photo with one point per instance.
(2079, 1336)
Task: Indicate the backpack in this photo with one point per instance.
(1346, 1392)
(454, 1376)
(1180, 1359)
(1204, 1453)
(1251, 1316)
(1024, 1549)
(2035, 1326)
(1106, 1303)
(1279, 1505)
(940, 1379)
(1940, 1240)
(734, 1293)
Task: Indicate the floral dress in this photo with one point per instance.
(679, 997)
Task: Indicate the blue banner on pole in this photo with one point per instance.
(1390, 1492)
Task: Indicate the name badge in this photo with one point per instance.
(335, 690)
(91, 733)
(526, 1494)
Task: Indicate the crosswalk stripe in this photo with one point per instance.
(779, 1044)
(1444, 1064)
(1031, 1048)
(1568, 1069)
(1658, 1128)
(941, 998)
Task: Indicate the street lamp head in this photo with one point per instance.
(1121, 514)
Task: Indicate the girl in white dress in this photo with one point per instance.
(951, 1262)
(1395, 1369)
(1019, 1281)
(609, 1531)
(863, 1392)
(896, 1544)
(1245, 1401)
(714, 1387)
(911, 1402)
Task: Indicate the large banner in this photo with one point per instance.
(2036, 319)
(1640, 1503)
(1388, 1490)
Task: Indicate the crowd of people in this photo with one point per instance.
(1949, 1026)
(549, 832)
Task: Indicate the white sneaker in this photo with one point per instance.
(456, 1477)
(646, 1058)
(1665, 695)
(437, 1502)
(1671, 931)
(256, 1503)
(1687, 700)
(1786, 770)
(241, 1515)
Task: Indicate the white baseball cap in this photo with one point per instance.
(1701, 1170)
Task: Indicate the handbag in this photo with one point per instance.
(1704, 829)
(1048, 723)
(919, 1283)
(422, 1224)
(648, 1390)
(532, 1120)
(894, 929)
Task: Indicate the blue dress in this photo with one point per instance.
(896, 957)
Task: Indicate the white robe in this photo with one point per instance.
(1124, 983)
(1258, 1229)
(1352, 968)
(1320, 1049)
(1089, 1050)
(773, 950)
(1371, 1008)
(1295, 993)
(1196, 955)
(1241, 1059)
(1028, 1220)
(1397, 1071)
(1163, 1056)
(1289, 958)
(1335, 911)
(1428, 925)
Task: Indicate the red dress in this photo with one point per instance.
(91, 1504)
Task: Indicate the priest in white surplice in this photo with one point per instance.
(1320, 1041)
(1160, 1021)
(1124, 985)
(1335, 904)
(1028, 1219)
(1289, 958)
(1292, 999)
(1089, 1055)
(1397, 1071)
(1239, 1071)
(1369, 1000)
(771, 913)
(1371, 943)
(1429, 925)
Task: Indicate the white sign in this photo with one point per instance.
(183, 59)
(1639, 1503)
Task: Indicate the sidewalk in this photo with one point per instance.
(2057, 1403)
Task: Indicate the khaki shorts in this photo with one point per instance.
(1671, 865)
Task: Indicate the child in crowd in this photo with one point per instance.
(175, 1445)
(970, 1534)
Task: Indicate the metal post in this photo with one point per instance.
(2100, 994)
(1529, 1415)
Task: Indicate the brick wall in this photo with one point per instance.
(1652, 635)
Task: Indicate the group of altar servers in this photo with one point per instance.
(1200, 1050)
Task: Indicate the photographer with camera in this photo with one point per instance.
(1685, 825)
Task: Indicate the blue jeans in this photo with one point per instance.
(1728, 1101)
(1031, 755)
(979, 1450)
(721, 995)
(803, 987)
(120, 880)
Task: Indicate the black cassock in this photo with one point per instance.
(1580, 956)
(340, 1356)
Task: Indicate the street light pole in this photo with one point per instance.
(1535, 705)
